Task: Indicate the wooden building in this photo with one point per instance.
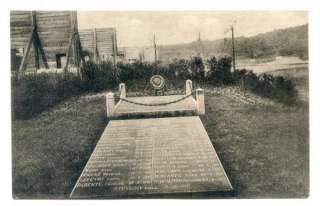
(99, 44)
(131, 54)
(45, 39)
(149, 54)
(142, 54)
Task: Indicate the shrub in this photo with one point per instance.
(34, 93)
(197, 69)
(97, 77)
(220, 71)
(277, 88)
(238, 75)
(180, 69)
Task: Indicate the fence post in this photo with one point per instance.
(110, 104)
(188, 87)
(122, 90)
(200, 101)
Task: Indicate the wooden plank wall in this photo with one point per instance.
(54, 29)
(20, 28)
(87, 40)
(106, 41)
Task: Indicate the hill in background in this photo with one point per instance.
(292, 41)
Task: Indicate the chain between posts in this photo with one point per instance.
(158, 104)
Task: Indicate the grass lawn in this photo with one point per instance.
(49, 151)
(263, 149)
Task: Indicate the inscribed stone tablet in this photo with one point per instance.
(152, 156)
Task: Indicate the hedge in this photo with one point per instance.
(34, 93)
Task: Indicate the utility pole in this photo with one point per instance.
(114, 48)
(233, 50)
(95, 46)
(155, 48)
(199, 45)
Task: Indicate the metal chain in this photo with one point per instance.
(158, 104)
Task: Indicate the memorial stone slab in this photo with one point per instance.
(152, 156)
(187, 105)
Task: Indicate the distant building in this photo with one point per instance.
(99, 44)
(149, 54)
(131, 54)
(44, 39)
(134, 54)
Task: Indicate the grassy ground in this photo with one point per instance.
(263, 149)
(49, 151)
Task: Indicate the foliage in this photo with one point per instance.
(266, 85)
(220, 71)
(276, 88)
(97, 77)
(34, 93)
(197, 68)
(179, 68)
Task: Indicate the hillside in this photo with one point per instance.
(291, 41)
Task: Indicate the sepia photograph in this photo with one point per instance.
(159, 104)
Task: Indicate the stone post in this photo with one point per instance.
(200, 101)
(188, 87)
(122, 89)
(110, 104)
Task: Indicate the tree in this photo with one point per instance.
(220, 70)
(197, 68)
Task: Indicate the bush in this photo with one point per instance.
(276, 88)
(180, 69)
(197, 69)
(97, 77)
(220, 71)
(34, 93)
(135, 72)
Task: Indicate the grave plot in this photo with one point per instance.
(160, 155)
(152, 156)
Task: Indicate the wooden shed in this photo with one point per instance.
(99, 44)
(45, 39)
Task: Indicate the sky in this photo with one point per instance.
(136, 28)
